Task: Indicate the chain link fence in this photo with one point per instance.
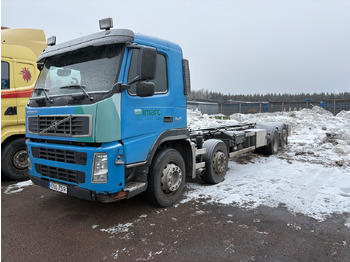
(215, 107)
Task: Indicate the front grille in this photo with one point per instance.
(61, 173)
(63, 125)
(65, 156)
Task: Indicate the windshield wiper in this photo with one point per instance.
(82, 89)
(46, 95)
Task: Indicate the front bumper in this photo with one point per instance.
(83, 193)
(72, 190)
(72, 166)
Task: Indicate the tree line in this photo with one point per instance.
(270, 97)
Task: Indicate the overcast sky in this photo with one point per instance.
(234, 46)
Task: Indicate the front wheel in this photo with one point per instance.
(14, 163)
(166, 178)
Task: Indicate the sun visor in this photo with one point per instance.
(115, 36)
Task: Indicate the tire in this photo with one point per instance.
(166, 178)
(272, 148)
(14, 163)
(216, 161)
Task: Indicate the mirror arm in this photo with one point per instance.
(132, 81)
(120, 87)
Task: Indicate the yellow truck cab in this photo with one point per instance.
(19, 51)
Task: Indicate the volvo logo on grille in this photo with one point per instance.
(54, 125)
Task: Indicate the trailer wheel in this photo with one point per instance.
(166, 178)
(273, 147)
(216, 161)
(14, 163)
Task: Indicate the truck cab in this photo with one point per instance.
(101, 108)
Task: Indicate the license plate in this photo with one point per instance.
(58, 187)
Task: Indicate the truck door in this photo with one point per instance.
(145, 118)
(8, 94)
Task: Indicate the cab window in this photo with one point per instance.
(5, 80)
(161, 79)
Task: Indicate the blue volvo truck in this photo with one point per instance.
(107, 121)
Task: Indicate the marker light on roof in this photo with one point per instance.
(106, 23)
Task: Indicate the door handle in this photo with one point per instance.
(168, 119)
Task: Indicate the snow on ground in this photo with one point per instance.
(306, 188)
(18, 187)
(311, 176)
(121, 228)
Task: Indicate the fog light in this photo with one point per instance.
(100, 171)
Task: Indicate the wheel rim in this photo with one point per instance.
(219, 162)
(171, 178)
(20, 160)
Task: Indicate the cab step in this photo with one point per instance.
(134, 188)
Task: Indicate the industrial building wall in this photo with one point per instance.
(214, 107)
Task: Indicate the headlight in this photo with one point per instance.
(100, 171)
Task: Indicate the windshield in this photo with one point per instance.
(94, 68)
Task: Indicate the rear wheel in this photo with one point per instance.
(216, 161)
(273, 147)
(166, 178)
(14, 163)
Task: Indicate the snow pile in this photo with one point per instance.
(317, 136)
(195, 120)
(312, 176)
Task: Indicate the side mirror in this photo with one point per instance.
(146, 63)
(144, 89)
